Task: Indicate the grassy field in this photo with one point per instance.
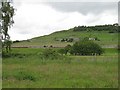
(24, 68)
(106, 39)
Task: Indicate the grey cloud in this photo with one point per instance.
(84, 7)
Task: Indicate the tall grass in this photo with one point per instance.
(31, 71)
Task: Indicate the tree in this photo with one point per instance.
(6, 21)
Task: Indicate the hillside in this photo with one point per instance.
(58, 39)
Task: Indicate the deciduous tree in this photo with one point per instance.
(6, 21)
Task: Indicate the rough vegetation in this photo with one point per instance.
(29, 70)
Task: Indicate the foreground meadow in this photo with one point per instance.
(24, 68)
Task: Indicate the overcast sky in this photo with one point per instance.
(35, 18)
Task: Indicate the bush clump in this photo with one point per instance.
(65, 50)
(86, 48)
(50, 54)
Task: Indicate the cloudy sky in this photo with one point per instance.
(37, 18)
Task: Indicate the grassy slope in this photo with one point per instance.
(106, 39)
(29, 71)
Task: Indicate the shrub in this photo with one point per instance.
(62, 51)
(86, 38)
(50, 54)
(22, 75)
(68, 47)
(86, 48)
(65, 50)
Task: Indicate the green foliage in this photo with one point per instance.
(24, 76)
(7, 45)
(7, 13)
(65, 50)
(86, 38)
(50, 54)
(62, 51)
(86, 47)
(80, 28)
(20, 75)
(110, 28)
(83, 47)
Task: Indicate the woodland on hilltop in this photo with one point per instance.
(111, 28)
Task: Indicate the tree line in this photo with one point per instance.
(111, 28)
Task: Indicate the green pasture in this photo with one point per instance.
(106, 39)
(23, 68)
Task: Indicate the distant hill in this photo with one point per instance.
(104, 35)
